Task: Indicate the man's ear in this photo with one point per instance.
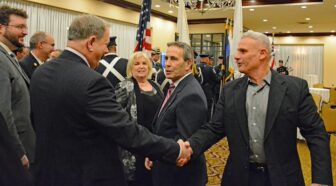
(39, 45)
(263, 53)
(190, 63)
(90, 42)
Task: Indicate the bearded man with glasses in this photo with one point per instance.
(14, 83)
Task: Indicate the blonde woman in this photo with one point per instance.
(141, 97)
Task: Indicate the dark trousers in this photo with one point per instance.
(258, 175)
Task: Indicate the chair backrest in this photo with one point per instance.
(318, 85)
(317, 99)
(329, 117)
(332, 99)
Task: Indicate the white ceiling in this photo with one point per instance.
(284, 17)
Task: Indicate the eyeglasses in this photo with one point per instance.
(21, 27)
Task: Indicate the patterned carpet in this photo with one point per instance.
(217, 155)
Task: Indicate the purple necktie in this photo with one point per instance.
(169, 92)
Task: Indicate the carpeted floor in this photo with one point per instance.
(217, 155)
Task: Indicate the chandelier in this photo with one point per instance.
(204, 5)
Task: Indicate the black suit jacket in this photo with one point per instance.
(29, 64)
(290, 105)
(79, 126)
(182, 115)
(12, 172)
(120, 66)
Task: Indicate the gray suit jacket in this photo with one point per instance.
(15, 104)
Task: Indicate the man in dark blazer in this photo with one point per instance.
(182, 112)
(259, 114)
(111, 66)
(79, 125)
(14, 83)
(41, 44)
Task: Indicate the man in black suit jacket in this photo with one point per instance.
(79, 125)
(41, 44)
(259, 114)
(183, 111)
(111, 66)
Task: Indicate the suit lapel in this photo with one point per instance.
(16, 65)
(240, 107)
(275, 98)
(180, 87)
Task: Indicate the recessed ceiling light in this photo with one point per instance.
(303, 6)
(266, 32)
(265, 20)
(288, 31)
(251, 9)
(332, 31)
(335, 6)
(274, 28)
(307, 19)
(170, 11)
(157, 6)
(310, 26)
(311, 31)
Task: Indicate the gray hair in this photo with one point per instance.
(188, 51)
(36, 38)
(259, 37)
(85, 26)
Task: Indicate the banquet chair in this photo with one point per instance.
(318, 100)
(328, 115)
(318, 85)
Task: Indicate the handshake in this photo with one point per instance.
(183, 158)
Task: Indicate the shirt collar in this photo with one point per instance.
(37, 59)
(267, 79)
(178, 81)
(111, 53)
(78, 54)
(6, 48)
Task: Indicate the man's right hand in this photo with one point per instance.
(25, 162)
(185, 155)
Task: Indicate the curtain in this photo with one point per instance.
(56, 21)
(302, 60)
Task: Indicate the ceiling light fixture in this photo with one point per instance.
(251, 9)
(332, 31)
(202, 5)
(307, 19)
(264, 20)
(170, 11)
(157, 6)
(310, 26)
(311, 31)
(274, 27)
(303, 7)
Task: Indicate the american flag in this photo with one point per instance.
(143, 37)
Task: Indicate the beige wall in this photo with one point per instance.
(163, 31)
(207, 28)
(329, 43)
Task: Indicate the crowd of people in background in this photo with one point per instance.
(85, 116)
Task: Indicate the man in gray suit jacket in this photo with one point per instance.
(259, 114)
(14, 93)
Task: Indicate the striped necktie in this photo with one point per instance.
(169, 93)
